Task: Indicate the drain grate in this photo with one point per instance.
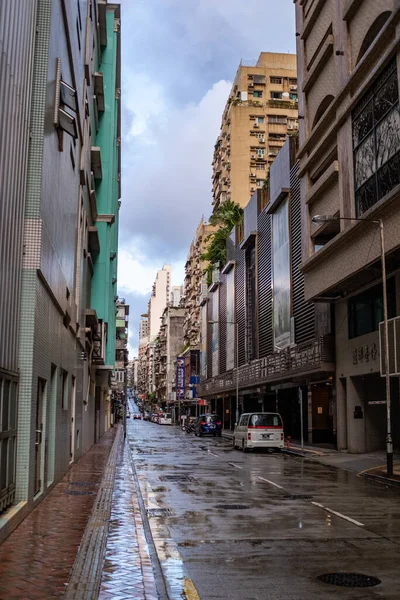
(83, 483)
(176, 478)
(158, 512)
(79, 492)
(232, 506)
(353, 580)
(297, 497)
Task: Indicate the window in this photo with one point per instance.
(265, 420)
(260, 152)
(293, 96)
(260, 183)
(366, 310)
(376, 141)
(260, 166)
(243, 420)
(292, 81)
(64, 390)
(276, 95)
(257, 94)
(260, 136)
(260, 120)
(275, 79)
(277, 120)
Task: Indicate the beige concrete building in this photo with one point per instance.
(168, 347)
(195, 285)
(260, 112)
(348, 61)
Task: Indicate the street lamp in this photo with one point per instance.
(389, 441)
(237, 360)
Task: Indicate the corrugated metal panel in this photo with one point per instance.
(222, 328)
(303, 312)
(17, 27)
(265, 334)
(240, 301)
(209, 335)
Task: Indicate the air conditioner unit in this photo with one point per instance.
(290, 126)
(256, 125)
(293, 88)
(251, 84)
(253, 156)
(252, 189)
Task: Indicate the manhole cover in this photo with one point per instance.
(176, 478)
(232, 506)
(158, 512)
(297, 497)
(79, 492)
(353, 580)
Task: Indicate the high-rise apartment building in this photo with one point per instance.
(349, 154)
(260, 113)
(159, 300)
(64, 138)
(17, 34)
(195, 285)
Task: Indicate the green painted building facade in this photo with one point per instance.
(108, 188)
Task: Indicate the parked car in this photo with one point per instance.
(165, 419)
(146, 416)
(208, 425)
(137, 415)
(258, 430)
(128, 414)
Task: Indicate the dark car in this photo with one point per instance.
(208, 425)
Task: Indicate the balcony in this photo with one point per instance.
(298, 362)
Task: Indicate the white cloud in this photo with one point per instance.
(137, 272)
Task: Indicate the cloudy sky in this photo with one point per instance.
(179, 58)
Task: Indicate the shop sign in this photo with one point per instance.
(365, 353)
(180, 378)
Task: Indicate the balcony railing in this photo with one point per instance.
(298, 361)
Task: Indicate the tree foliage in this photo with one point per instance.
(224, 218)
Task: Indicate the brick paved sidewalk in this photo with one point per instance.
(36, 559)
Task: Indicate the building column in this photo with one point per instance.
(341, 412)
(355, 426)
(310, 419)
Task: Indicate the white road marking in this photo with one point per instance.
(237, 466)
(338, 514)
(270, 482)
(212, 453)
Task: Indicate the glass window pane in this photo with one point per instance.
(388, 137)
(13, 406)
(386, 97)
(363, 124)
(6, 404)
(3, 463)
(11, 460)
(365, 163)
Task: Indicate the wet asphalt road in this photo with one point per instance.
(276, 547)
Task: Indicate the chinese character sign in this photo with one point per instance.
(180, 378)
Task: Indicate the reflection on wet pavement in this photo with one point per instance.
(281, 542)
(127, 571)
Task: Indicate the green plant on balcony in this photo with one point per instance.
(224, 218)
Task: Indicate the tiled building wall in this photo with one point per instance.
(17, 27)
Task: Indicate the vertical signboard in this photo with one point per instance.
(180, 378)
(281, 276)
(230, 319)
(203, 342)
(215, 333)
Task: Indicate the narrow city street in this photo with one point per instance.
(261, 526)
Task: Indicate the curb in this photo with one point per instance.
(381, 479)
(85, 578)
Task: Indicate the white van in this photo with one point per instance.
(165, 419)
(258, 430)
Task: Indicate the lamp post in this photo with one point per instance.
(236, 324)
(389, 440)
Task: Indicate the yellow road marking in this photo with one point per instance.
(190, 590)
